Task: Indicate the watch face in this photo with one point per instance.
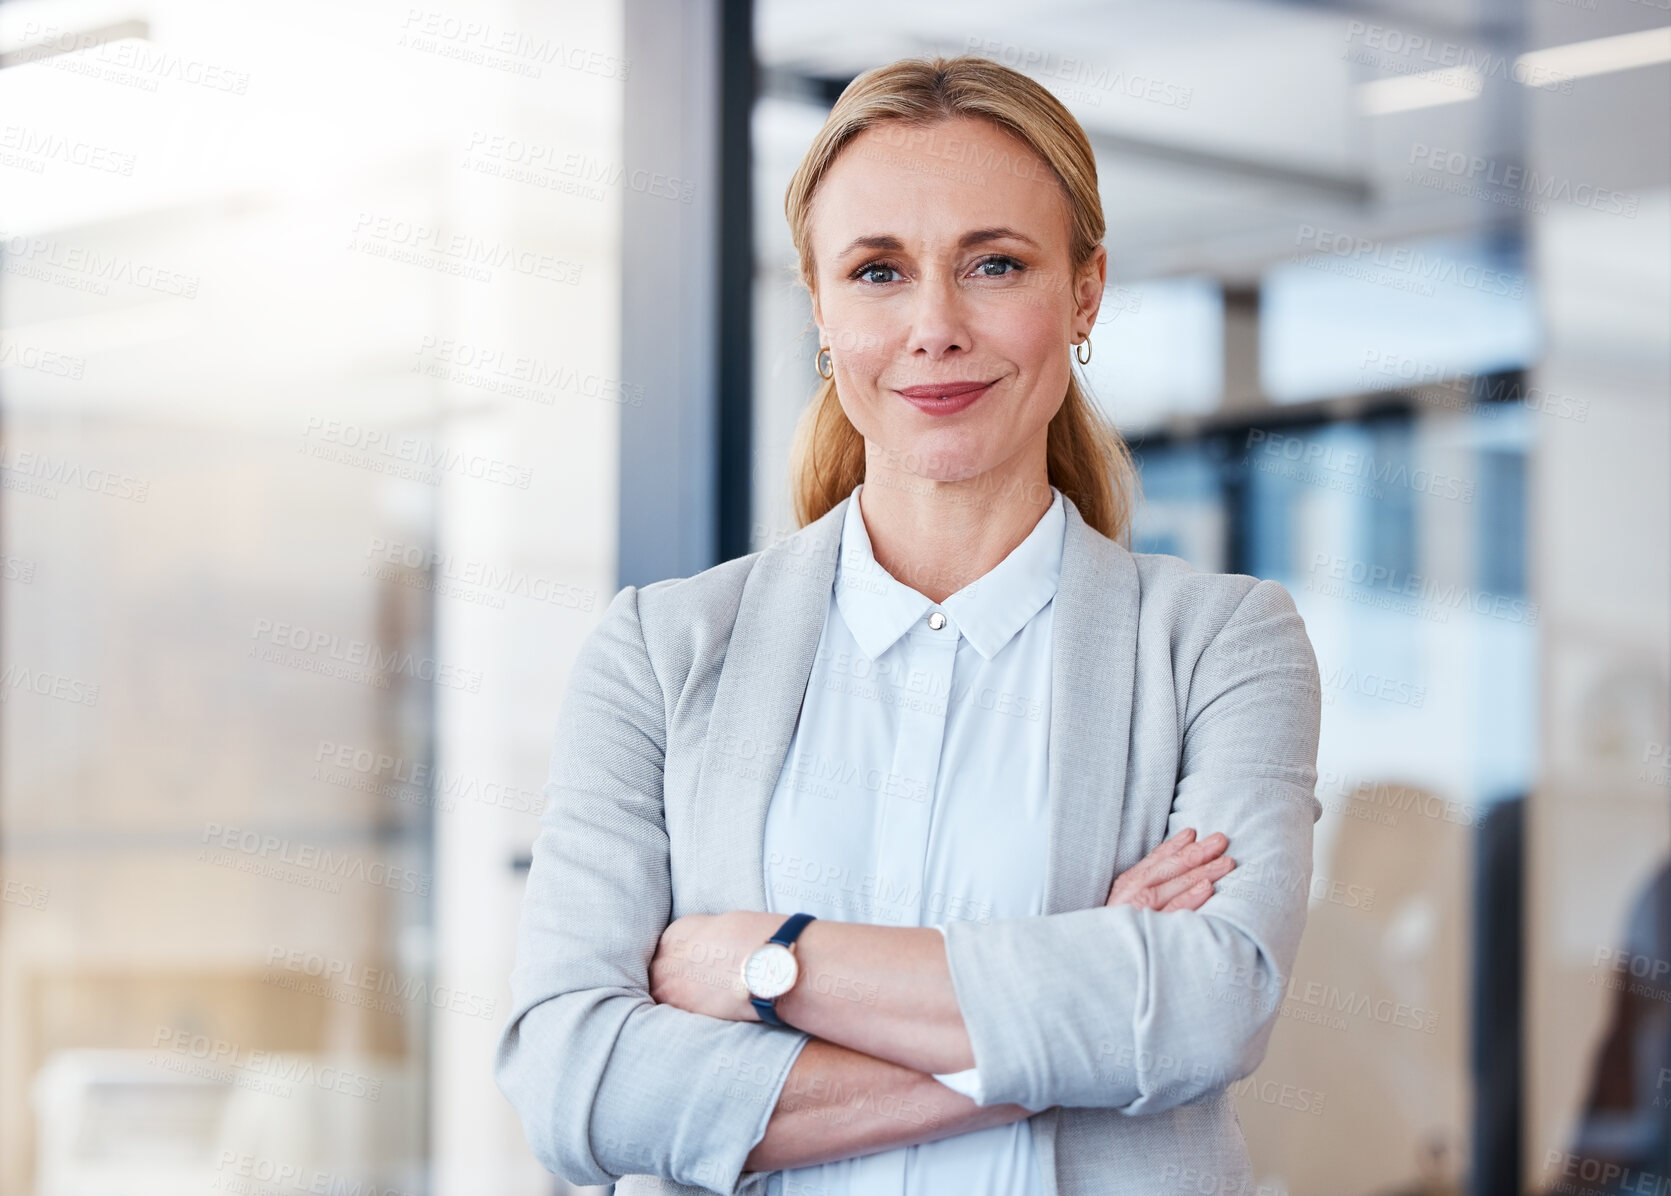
(770, 971)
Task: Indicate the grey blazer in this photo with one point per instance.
(1178, 699)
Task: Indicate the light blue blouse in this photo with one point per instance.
(913, 792)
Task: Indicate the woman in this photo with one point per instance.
(953, 721)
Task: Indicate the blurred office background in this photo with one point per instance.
(354, 354)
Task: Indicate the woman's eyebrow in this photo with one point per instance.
(981, 236)
(887, 243)
(880, 242)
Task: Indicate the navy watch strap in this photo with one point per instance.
(786, 934)
(791, 930)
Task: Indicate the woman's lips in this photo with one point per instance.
(946, 399)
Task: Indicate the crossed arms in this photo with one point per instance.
(1128, 1006)
(882, 1010)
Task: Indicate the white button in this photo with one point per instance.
(937, 620)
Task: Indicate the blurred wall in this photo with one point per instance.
(310, 422)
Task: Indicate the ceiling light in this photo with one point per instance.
(1402, 93)
(1598, 56)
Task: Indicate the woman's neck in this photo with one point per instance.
(937, 537)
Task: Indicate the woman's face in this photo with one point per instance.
(942, 269)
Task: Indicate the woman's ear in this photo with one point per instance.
(1088, 290)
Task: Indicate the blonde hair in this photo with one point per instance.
(1086, 458)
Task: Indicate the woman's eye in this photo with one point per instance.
(993, 267)
(998, 267)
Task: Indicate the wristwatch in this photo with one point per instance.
(772, 969)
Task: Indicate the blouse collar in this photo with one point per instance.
(879, 608)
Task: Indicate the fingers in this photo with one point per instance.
(1134, 878)
(1179, 874)
(1156, 868)
(1192, 898)
(1176, 843)
(1196, 884)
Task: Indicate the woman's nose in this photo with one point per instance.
(939, 319)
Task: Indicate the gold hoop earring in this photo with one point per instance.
(1086, 358)
(818, 360)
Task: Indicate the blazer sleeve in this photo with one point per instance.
(606, 1081)
(1139, 1011)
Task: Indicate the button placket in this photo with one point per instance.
(904, 826)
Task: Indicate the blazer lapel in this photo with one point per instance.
(768, 664)
(1092, 673)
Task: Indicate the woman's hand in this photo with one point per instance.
(698, 964)
(1179, 874)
